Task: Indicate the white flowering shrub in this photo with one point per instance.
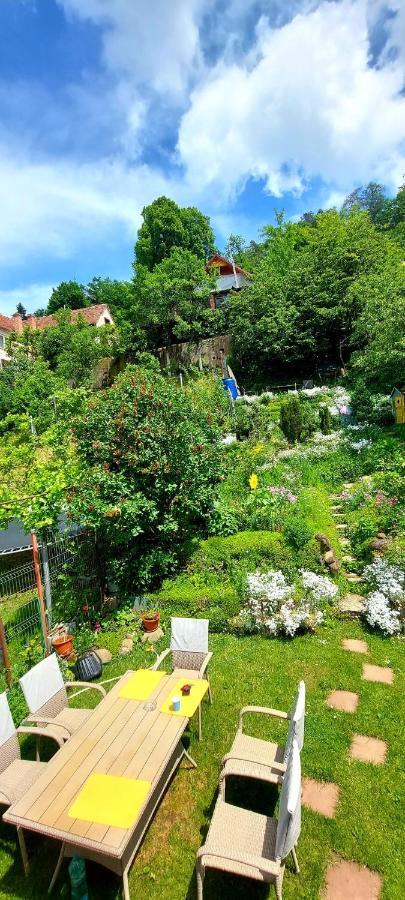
(319, 587)
(273, 606)
(384, 605)
(388, 579)
(379, 614)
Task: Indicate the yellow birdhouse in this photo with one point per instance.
(398, 404)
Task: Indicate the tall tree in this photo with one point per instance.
(172, 300)
(21, 310)
(167, 225)
(370, 198)
(69, 295)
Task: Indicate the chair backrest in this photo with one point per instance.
(9, 746)
(190, 635)
(43, 687)
(297, 722)
(289, 816)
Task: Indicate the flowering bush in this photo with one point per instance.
(385, 604)
(273, 606)
(379, 613)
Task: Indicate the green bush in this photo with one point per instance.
(245, 419)
(297, 532)
(291, 420)
(198, 596)
(251, 547)
(325, 419)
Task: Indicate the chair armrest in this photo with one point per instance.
(86, 686)
(160, 659)
(265, 710)
(44, 720)
(268, 866)
(204, 665)
(42, 732)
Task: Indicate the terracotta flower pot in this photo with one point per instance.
(63, 645)
(151, 622)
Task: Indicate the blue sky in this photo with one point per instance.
(239, 107)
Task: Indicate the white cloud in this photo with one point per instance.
(309, 106)
(155, 44)
(32, 296)
(56, 207)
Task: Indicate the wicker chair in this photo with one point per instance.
(250, 757)
(45, 693)
(245, 843)
(189, 652)
(16, 774)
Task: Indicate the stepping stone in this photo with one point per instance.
(354, 645)
(341, 526)
(346, 701)
(346, 880)
(377, 673)
(348, 558)
(352, 605)
(367, 749)
(321, 797)
(336, 507)
(153, 636)
(354, 578)
(348, 484)
(104, 655)
(345, 542)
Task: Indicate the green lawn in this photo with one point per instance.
(253, 669)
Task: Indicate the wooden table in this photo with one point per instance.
(120, 738)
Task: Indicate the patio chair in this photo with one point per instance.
(246, 843)
(45, 693)
(189, 652)
(16, 774)
(251, 757)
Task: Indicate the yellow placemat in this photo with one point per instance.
(110, 800)
(188, 705)
(141, 684)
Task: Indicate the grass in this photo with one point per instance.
(254, 669)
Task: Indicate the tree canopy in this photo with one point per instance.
(167, 225)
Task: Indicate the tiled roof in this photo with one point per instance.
(90, 314)
(7, 324)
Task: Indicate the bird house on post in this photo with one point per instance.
(398, 404)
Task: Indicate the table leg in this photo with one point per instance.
(190, 758)
(24, 856)
(199, 723)
(125, 885)
(57, 869)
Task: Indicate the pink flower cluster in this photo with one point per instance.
(284, 493)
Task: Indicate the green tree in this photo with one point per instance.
(167, 225)
(149, 465)
(69, 295)
(379, 329)
(172, 300)
(291, 419)
(21, 310)
(26, 387)
(370, 198)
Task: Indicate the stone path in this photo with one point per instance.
(349, 881)
(346, 879)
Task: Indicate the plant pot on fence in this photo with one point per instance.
(150, 621)
(63, 645)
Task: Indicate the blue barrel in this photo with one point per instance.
(230, 385)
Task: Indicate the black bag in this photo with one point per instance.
(88, 667)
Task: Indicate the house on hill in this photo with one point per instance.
(230, 278)
(97, 316)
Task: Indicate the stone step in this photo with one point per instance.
(342, 526)
(348, 558)
(354, 578)
(345, 542)
(352, 605)
(348, 484)
(336, 507)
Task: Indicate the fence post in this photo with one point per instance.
(37, 572)
(4, 654)
(47, 579)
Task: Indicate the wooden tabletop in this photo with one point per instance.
(120, 738)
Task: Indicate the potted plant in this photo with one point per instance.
(150, 620)
(63, 645)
